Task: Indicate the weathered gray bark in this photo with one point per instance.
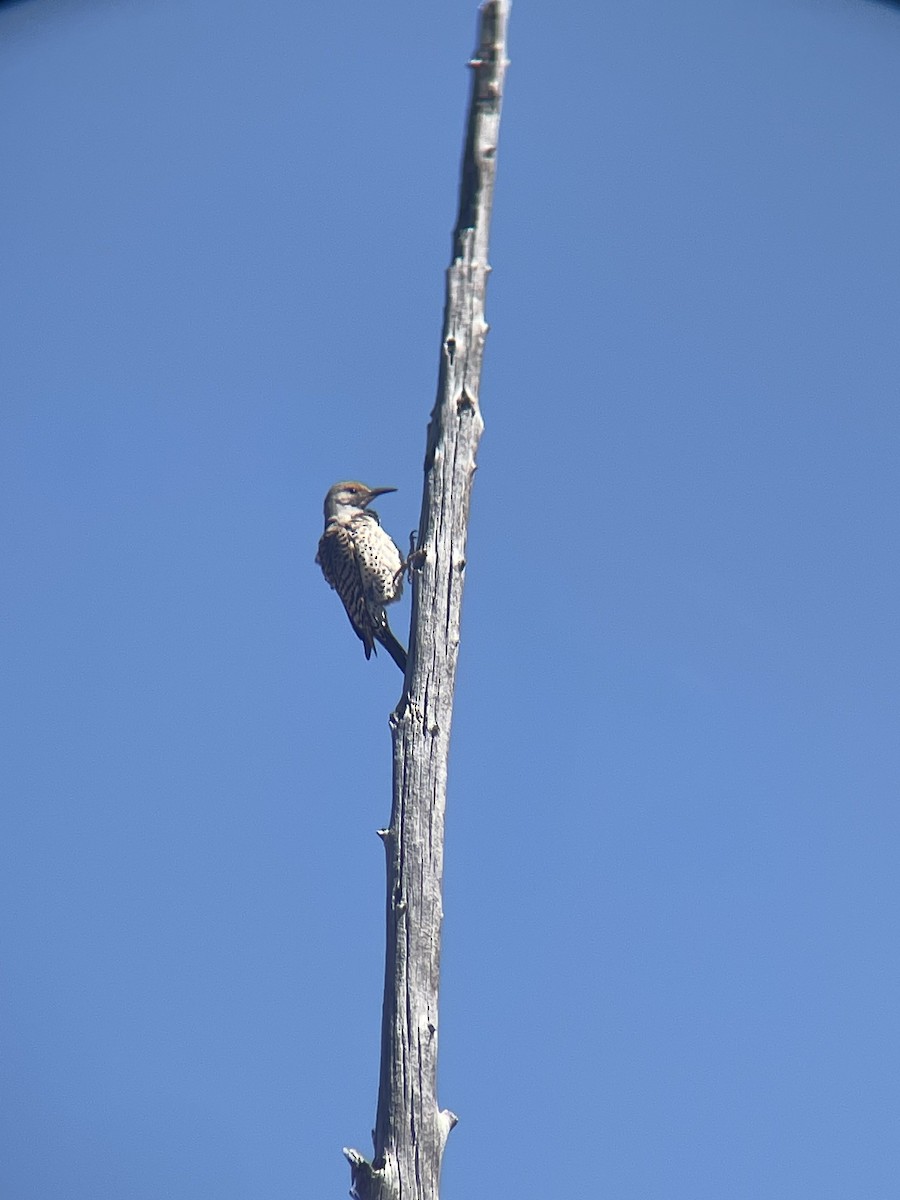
(410, 1128)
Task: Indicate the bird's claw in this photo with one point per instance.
(414, 559)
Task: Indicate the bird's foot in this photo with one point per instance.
(414, 559)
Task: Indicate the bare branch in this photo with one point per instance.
(410, 1128)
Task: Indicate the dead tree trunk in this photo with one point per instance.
(410, 1128)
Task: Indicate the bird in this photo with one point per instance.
(362, 564)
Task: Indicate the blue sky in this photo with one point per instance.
(670, 964)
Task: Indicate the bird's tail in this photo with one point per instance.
(393, 647)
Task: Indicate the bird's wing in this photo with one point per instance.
(340, 565)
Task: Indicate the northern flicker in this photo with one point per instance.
(362, 564)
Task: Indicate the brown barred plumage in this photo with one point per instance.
(362, 564)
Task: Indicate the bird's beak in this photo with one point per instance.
(373, 492)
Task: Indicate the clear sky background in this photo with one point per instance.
(671, 937)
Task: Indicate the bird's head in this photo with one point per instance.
(350, 493)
